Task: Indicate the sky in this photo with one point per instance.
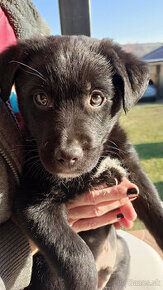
(124, 21)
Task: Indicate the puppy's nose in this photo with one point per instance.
(69, 156)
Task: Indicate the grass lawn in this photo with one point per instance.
(144, 125)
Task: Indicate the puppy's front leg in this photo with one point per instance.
(68, 256)
(148, 204)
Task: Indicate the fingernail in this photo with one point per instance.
(132, 191)
(112, 182)
(120, 216)
(131, 198)
(116, 181)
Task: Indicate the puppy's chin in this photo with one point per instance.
(68, 175)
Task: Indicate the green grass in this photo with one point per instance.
(144, 125)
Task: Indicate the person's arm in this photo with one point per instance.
(15, 257)
(24, 19)
(15, 254)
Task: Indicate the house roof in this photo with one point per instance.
(154, 56)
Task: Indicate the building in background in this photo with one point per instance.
(155, 61)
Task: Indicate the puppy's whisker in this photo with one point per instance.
(27, 66)
(115, 145)
(24, 146)
(31, 158)
(115, 148)
(112, 142)
(111, 153)
(37, 170)
(33, 168)
(34, 140)
(33, 74)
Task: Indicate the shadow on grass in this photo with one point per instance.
(149, 150)
(159, 186)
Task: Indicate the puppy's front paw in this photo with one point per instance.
(110, 171)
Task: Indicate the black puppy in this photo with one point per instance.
(71, 91)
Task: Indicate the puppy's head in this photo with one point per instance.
(70, 92)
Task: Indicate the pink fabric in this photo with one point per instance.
(7, 36)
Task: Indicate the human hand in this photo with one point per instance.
(102, 206)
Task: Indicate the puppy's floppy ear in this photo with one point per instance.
(129, 73)
(9, 64)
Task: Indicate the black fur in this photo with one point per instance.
(67, 142)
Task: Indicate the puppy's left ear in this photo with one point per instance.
(9, 63)
(130, 75)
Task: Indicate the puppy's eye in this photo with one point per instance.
(41, 99)
(96, 99)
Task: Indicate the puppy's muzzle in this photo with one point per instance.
(69, 157)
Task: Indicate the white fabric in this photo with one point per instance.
(146, 266)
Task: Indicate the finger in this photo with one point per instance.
(96, 222)
(128, 211)
(117, 225)
(102, 194)
(89, 211)
(132, 189)
(126, 223)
